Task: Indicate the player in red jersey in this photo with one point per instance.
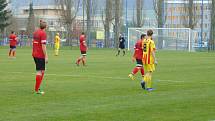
(83, 49)
(13, 43)
(39, 54)
(138, 55)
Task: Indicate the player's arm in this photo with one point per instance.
(123, 40)
(135, 53)
(153, 53)
(55, 40)
(43, 42)
(58, 39)
(45, 52)
(16, 38)
(85, 44)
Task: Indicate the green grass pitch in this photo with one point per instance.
(184, 83)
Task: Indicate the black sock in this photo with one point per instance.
(118, 52)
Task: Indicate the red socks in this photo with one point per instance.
(142, 71)
(135, 70)
(78, 61)
(38, 82)
(82, 60)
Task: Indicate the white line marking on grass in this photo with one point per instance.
(98, 77)
(171, 81)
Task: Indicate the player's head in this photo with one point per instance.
(12, 32)
(82, 33)
(143, 36)
(43, 24)
(57, 34)
(149, 32)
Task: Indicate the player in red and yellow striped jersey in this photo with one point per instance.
(149, 59)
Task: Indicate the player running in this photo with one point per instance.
(83, 49)
(138, 55)
(149, 59)
(39, 54)
(13, 43)
(57, 44)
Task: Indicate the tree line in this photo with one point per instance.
(112, 14)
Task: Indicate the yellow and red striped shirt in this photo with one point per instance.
(148, 47)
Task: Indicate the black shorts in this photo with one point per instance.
(12, 47)
(84, 53)
(139, 63)
(122, 46)
(40, 63)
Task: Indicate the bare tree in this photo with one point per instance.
(89, 16)
(212, 32)
(68, 10)
(189, 19)
(94, 11)
(4, 15)
(121, 10)
(117, 22)
(13, 25)
(31, 21)
(159, 8)
(133, 17)
(107, 21)
(88, 11)
(91, 7)
(139, 13)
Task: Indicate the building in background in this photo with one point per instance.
(176, 14)
(50, 12)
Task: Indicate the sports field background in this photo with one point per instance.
(184, 83)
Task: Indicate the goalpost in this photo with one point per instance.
(165, 38)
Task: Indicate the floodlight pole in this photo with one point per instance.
(202, 19)
(126, 21)
(83, 3)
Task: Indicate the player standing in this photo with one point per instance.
(39, 54)
(13, 43)
(83, 49)
(121, 45)
(57, 44)
(149, 59)
(138, 55)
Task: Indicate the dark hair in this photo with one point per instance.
(12, 32)
(82, 33)
(149, 32)
(43, 24)
(142, 36)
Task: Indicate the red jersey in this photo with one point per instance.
(13, 40)
(39, 38)
(138, 51)
(83, 47)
